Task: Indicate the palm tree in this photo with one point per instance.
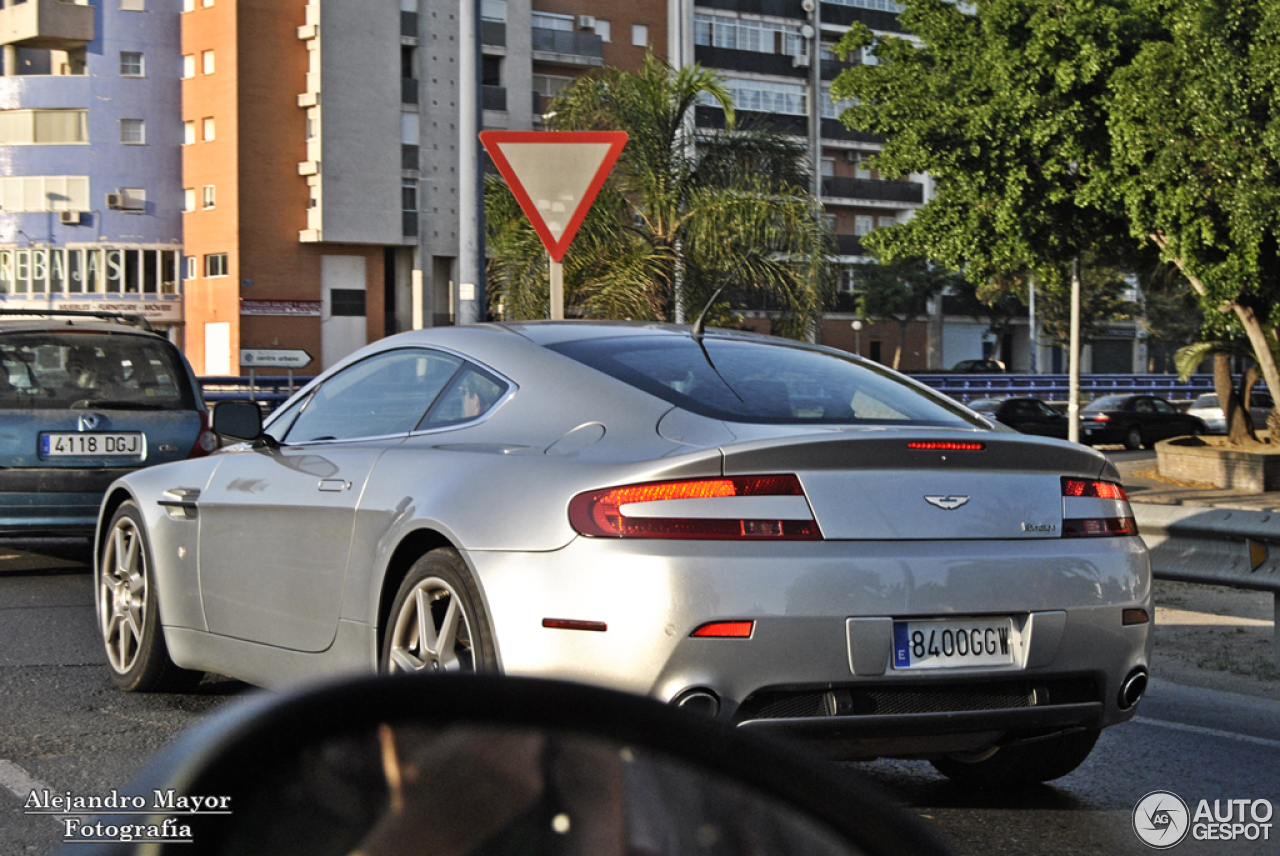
(684, 217)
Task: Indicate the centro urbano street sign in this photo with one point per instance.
(274, 358)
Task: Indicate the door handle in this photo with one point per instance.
(334, 484)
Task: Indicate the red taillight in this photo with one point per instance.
(599, 512)
(725, 630)
(1100, 526)
(1100, 489)
(1099, 417)
(206, 441)
(946, 446)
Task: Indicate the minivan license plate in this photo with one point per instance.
(125, 444)
(953, 643)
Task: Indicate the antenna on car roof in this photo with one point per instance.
(700, 323)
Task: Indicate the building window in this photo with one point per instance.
(188, 5)
(640, 35)
(192, 268)
(747, 35)
(133, 200)
(133, 132)
(603, 30)
(493, 10)
(551, 85)
(764, 97)
(882, 5)
(43, 127)
(409, 196)
(548, 21)
(189, 199)
(133, 5)
(207, 196)
(188, 133)
(863, 224)
(206, 62)
(44, 193)
(207, 128)
(131, 64)
(215, 264)
(206, 3)
(188, 66)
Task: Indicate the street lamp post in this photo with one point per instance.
(857, 336)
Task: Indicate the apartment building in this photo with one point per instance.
(320, 156)
(90, 157)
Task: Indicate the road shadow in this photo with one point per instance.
(45, 555)
(916, 783)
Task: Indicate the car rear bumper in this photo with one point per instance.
(1066, 596)
(53, 499)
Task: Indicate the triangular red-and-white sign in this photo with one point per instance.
(555, 176)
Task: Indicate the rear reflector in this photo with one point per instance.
(947, 446)
(1135, 616)
(574, 624)
(725, 630)
(599, 512)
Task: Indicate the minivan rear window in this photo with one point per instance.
(43, 371)
(745, 380)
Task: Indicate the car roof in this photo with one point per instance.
(12, 321)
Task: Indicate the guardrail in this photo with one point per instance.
(1214, 546)
(1054, 387)
(268, 390)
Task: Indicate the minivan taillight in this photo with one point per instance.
(1093, 508)
(753, 508)
(206, 441)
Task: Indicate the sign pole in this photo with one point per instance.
(557, 291)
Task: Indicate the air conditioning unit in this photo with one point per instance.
(586, 22)
(115, 201)
(800, 61)
(69, 218)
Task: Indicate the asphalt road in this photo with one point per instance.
(65, 726)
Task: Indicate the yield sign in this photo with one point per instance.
(555, 176)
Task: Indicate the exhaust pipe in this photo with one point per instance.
(698, 700)
(1132, 689)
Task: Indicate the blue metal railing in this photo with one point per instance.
(1054, 387)
(271, 391)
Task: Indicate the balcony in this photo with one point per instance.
(834, 13)
(408, 90)
(866, 188)
(753, 61)
(493, 33)
(46, 25)
(409, 224)
(566, 47)
(494, 97)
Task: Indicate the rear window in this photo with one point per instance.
(1110, 402)
(42, 371)
(741, 380)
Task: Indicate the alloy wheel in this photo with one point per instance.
(431, 631)
(122, 594)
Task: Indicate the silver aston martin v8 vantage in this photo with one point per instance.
(784, 536)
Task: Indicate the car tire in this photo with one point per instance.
(1022, 763)
(440, 584)
(129, 611)
(1133, 438)
(1196, 431)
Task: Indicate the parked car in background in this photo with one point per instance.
(786, 537)
(1025, 415)
(1207, 409)
(86, 398)
(979, 366)
(1135, 421)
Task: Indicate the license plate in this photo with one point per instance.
(80, 445)
(953, 643)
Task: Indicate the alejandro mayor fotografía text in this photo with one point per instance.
(94, 818)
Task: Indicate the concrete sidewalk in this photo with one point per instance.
(1142, 484)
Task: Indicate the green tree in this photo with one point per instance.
(682, 216)
(900, 291)
(1195, 125)
(1004, 109)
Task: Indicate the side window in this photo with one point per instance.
(384, 395)
(1143, 405)
(1163, 406)
(468, 397)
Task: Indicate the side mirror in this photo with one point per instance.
(239, 419)
(451, 765)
